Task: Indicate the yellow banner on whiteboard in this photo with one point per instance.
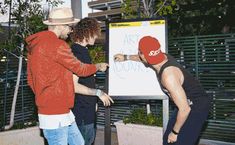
(136, 24)
(157, 22)
(124, 24)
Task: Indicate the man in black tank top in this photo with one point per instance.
(192, 103)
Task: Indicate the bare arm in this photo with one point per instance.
(122, 57)
(172, 80)
(81, 89)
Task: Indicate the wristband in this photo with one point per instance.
(125, 57)
(176, 133)
(98, 93)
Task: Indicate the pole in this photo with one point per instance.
(138, 3)
(107, 133)
(9, 21)
(165, 113)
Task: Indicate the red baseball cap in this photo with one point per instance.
(150, 48)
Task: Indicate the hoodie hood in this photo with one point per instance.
(34, 40)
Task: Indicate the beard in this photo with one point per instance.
(64, 37)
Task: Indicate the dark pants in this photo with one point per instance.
(88, 132)
(191, 129)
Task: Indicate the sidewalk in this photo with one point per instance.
(99, 140)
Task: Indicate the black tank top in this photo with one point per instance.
(191, 86)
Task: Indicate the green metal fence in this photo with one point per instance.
(25, 108)
(210, 58)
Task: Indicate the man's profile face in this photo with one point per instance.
(65, 31)
(142, 59)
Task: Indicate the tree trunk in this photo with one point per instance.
(13, 106)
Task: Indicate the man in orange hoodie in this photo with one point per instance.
(50, 69)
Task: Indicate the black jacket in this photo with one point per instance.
(84, 107)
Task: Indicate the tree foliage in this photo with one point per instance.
(140, 116)
(147, 8)
(202, 17)
(26, 16)
(186, 17)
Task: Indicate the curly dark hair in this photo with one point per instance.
(84, 29)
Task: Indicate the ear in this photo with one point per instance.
(142, 55)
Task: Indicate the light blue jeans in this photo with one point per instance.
(64, 135)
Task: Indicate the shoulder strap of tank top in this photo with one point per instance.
(171, 62)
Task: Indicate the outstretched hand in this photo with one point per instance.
(102, 66)
(119, 57)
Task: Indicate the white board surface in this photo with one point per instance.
(131, 78)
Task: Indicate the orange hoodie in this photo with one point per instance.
(50, 67)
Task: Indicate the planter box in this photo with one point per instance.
(28, 136)
(134, 134)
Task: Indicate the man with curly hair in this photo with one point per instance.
(85, 33)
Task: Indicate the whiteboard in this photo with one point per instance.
(131, 78)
